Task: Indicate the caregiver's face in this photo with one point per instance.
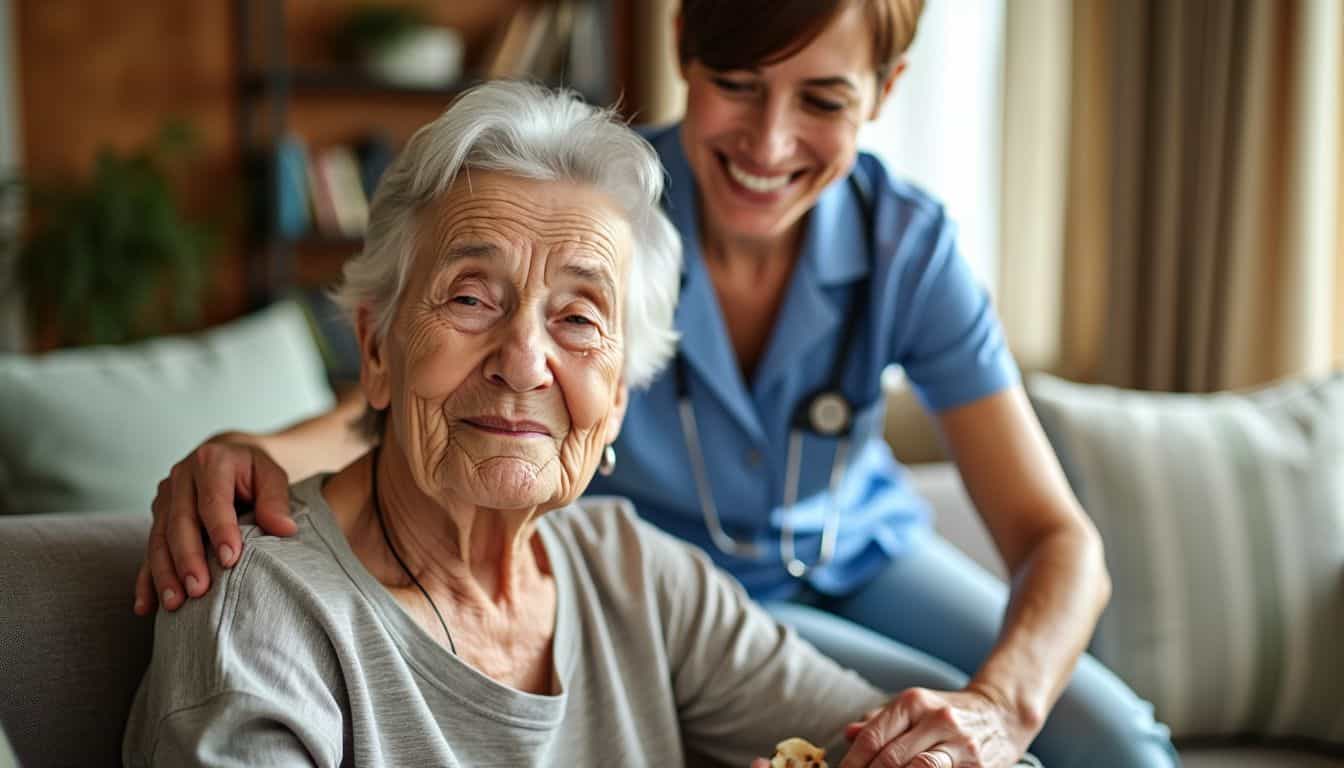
(504, 358)
(763, 143)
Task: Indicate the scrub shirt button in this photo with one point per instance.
(753, 458)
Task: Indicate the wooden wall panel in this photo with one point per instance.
(94, 74)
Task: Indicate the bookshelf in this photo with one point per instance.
(299, 102)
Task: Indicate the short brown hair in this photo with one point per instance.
(744, 34)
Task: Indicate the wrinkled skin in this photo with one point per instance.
(502, 367)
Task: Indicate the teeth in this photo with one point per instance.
(757, 183)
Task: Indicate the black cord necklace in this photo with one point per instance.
(378, 512)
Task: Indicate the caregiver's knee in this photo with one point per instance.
(1100, 723)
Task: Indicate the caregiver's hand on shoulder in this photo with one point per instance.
(199, 494)
(922, 728)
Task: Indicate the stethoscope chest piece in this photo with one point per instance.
(829, 414)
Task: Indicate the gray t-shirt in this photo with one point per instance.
(299, 656)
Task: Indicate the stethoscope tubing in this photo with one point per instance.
(724, 541)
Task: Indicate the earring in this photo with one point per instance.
(608, 463)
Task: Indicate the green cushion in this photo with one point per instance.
(1223, 520)
(97, 428)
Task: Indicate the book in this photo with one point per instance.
(529, 59)
(513, 42)
(586, 61)
(323, 206)
(550, 63)
(340, 173)
(290, 195)
(375, 153)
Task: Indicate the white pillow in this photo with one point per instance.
(96, 428)
(1223, 520)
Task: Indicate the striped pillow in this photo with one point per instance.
(1223, 519)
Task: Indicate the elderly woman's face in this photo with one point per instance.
(503, 363)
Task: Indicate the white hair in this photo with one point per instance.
(531, 132)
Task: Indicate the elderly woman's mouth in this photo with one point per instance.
(501, 426)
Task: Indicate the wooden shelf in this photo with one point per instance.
(323, 242)
(347, 81)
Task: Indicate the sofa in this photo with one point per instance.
(956, 520)
(73, 528)
(72, 653)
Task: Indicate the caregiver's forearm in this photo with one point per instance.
(1058, 592)
(324, 443)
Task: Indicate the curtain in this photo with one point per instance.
(1203, 244)
(1172, 214)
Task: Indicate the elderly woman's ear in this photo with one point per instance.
(373, 369)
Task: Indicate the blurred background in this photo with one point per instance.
(1151, 189)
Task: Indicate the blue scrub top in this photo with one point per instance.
(926, 313)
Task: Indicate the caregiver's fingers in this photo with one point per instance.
(183, 531)
(145, 602)
(270, 495)
(167, 589)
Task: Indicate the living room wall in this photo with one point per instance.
(94, 74)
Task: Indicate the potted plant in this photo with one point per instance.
(396, 43)
(111, 258)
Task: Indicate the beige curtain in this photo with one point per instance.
(1203, 244)
(1172, 213)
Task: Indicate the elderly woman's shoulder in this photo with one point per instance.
(596, 515)
(610, 527)
(310, 557)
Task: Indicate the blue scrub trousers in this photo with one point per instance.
(932, 616)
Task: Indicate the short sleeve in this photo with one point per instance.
(949, 339)
(742, 681)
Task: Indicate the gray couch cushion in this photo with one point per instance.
(1254, 757)
(71, 651)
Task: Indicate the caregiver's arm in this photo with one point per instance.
(1051, 549)
(1059, 580)
(201, 489)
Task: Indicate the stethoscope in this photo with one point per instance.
(826, 412)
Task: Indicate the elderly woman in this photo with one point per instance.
(444, 601)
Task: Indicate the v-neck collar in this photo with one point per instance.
(809, 314)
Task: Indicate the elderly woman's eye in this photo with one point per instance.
(578, 320)
(470, 301)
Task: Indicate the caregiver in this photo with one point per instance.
(808, 270)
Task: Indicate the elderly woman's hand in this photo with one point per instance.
(922, 728)
(200, 493)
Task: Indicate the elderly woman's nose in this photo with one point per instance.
(520, 361)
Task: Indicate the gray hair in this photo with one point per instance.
(532, 132)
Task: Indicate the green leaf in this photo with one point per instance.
(111, 257)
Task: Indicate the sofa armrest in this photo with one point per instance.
(71, 652)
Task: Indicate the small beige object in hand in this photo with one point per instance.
(798, 753)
